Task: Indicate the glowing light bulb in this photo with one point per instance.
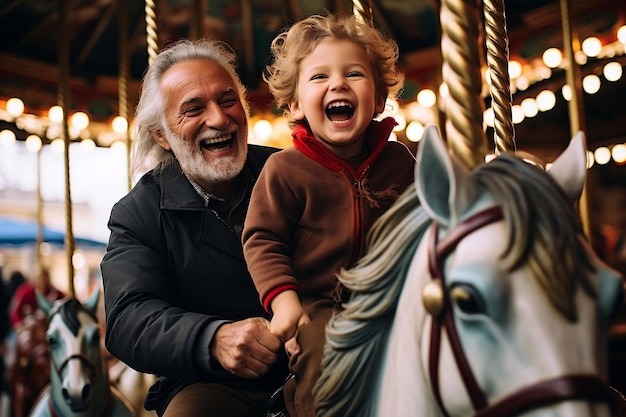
(119, 125)
(263, 129)
(15, 107)
(619, 153)
(612, 71)
(414, 131)
(529, 106)
(591, 84)
(552, 57)
(79, 120)
(426, 97)
(7, 138)
(517, 114)
(515, 69)
(546, 100)
(55, 114)
(57, 146)
(602, 155)
(591, 46)
(33, 143)
(566, 91)
(87, 145)
(621, 34)
(522, 83)
(444, 90)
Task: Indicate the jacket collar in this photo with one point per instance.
(376, 135)
(177, 193)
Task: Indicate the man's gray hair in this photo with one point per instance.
(150, 111)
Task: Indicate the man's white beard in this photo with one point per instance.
(192, 162)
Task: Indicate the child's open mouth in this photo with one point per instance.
(339, 111)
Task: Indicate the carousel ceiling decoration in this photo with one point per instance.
(109, 50)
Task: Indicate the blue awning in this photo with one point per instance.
(14, 232)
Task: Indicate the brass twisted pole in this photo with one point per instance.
(498, 63)
(151, 31)
(363, 11)
(461, 72)
(64, 65)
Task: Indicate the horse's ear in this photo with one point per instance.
(44, 304)
(444, 186)
(569, 170)
(92, 303)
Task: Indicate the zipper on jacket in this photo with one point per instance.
(357, 223)
(358, 226)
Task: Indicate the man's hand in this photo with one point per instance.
(246, 348)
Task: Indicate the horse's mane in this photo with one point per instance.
(544, 231)
(69, 309)
(355, 338)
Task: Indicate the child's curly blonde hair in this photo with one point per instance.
(290, 47)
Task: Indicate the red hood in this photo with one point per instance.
(376, 136)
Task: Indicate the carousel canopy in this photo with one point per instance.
(15, 232)
(107, 40)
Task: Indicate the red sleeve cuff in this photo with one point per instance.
(267, 302)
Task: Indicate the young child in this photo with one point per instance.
(314, 203)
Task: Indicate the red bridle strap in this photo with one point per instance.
(438, 251)
(570, 387)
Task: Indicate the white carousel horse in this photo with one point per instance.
(133, 384)
(79, 383)
(484, 301)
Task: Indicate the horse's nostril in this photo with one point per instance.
(87, 392)
(66, 394)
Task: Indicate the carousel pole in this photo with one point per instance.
(63, 103)
(498, 64)
(197, 22)
(363, 11)
(39, 239)
(123, 80)
(248, 36)
(461, 72)
(571, 45)
(152, 37)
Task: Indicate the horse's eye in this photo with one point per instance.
(468, 299)
(52, 341)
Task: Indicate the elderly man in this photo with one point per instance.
(179, 300)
